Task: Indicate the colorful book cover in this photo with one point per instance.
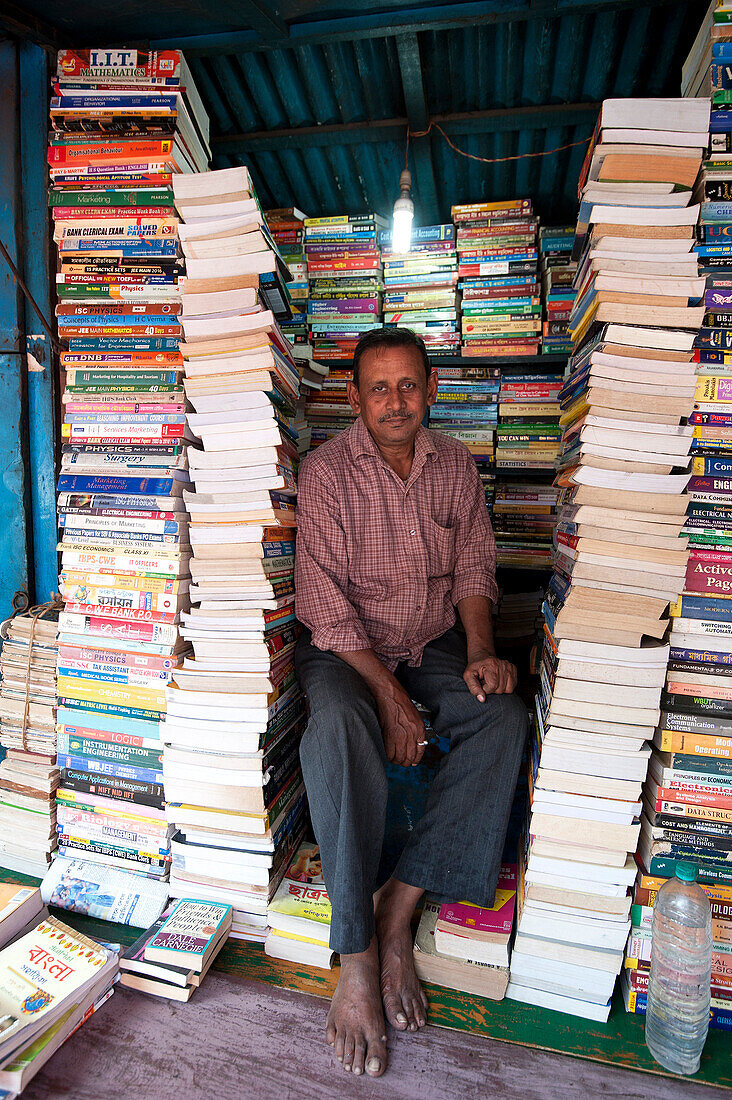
(496, 921)
(302, 893)
(190, 930)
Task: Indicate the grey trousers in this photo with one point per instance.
(455, 849)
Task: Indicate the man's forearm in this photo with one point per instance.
(365, 661)
(476, 615)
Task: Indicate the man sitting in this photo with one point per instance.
(393, 538)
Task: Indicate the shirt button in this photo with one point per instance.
(412, 532)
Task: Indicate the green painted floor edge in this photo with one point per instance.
(620, 1042)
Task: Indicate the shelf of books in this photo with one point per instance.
(622, 477)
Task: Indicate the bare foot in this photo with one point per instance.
(404, 1001)
(355, 1024)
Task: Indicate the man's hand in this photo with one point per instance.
(487, 674)
(402, 728)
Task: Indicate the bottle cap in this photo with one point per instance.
(686, 871)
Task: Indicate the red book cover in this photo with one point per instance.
(463, 918)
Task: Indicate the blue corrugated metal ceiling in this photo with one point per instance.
(316, 100)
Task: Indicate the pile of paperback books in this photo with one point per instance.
(235, 712)
(124, 531)
(287, 228)
(557, 291)
(345, 281)
(623, 475)
(28, 774)
(420, 287)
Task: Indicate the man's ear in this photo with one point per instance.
(353, 398)
(432, 388)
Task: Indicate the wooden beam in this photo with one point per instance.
(392, 129)
(468, 14)
(265, 21)
(25, 25)
(415, 101)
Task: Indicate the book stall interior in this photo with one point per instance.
(204, 218)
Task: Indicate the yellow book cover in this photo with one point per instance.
(713, 387)
(98, 691)
(142, 583)
(302, 894)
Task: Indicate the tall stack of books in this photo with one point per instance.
(557, 292)
(623, 474)
(327, 409)
(345, 281)
(498, 277)
(687, 798)
(287, 229)
(28, 774)
(420, 287)
(124, 123)
(235, 712)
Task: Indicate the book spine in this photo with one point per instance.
(121, 790)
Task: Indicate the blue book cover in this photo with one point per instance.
(108, 483)
(108, 102)
(106, 767)
(716, 466)
(706, 607)
(123, 343)
(425, 233)
(74, 720)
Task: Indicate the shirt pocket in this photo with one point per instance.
(440, 546)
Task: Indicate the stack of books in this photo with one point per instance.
(28, 774)
(173, 956)
(467, 408)
(327, 409)
(623, 474)
(124, 544)
(345, 281)
(420, 287)
(517, 618)
(287, 229)
(235, 713)
(524, 516)
(703, 72)
(299, 914)
(528, 434)
(480, 934)
(454, 971)
(557, 292)
(498, 277)
(52, 979)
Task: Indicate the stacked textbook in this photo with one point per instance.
(498, 276)
(480, 933)
(454, 971)
(124, 530)
(557, 292)
(287, 229)
(420, 287)
(345, 281)
(172, 957)
(299, 913)
(234, 712)
(28, 774)
(52, 979)
(620, 560)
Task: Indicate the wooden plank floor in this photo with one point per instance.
(242, 1040)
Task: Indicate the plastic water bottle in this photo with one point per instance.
(677, 1014)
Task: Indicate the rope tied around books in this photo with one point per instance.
(34, 613)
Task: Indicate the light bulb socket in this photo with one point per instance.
(405, 180)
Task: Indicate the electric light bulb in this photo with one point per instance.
(401, 237)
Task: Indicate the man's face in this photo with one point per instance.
(393, 394)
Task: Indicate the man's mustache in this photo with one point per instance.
(395, 416)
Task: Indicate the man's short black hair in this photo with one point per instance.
(389, 338)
